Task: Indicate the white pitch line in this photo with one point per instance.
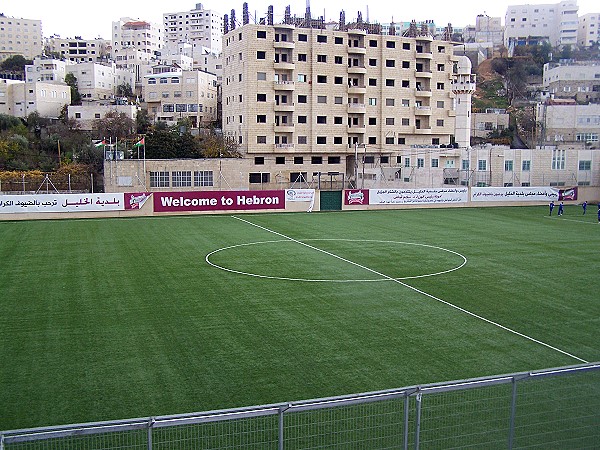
(571, 220)
(433, 297)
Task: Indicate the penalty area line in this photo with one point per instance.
(419, 291)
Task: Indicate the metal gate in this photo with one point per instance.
(331, 200)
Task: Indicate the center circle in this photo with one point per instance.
(378, 275)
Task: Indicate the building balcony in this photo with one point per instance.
(356, 129)
(283, 66)
(422, 110)
(356, 108)
(284, 128)
(422, 74)
(285, 148)
(284, 85)
(283, 107)
(357, 89)
(422, 92)
(422, 130)
(451, 113)
(357, 70)
(284, 44)
(424, 55)
(357, 50)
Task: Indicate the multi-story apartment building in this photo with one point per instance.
(202, 28)
(307, 100)
(578, 80)
(86, 114)
(43, 69)
(78, 50)
(98, 82)
(171, 94)
(20, 37)
(564, 122)
(589, 30)
(135, 43)
(20, 98)
(531, 24)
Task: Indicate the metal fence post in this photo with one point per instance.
(150, 424)
(513, 411)
(406, 406)
(280, 438)
(418, 420)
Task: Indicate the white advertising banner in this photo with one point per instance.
(44, 203)
(514, 194)
(418, 196)
(301, 195)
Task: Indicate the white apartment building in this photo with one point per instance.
(202, 28)
(86, 114)
(564, 122)
(172, 94)
(578, 80)
(531, 24)
(20, 37)
(308, 100)
(48, 70)
(99, 82)
(135, 43)
(78, 50)
(20, 98)
(589, 30)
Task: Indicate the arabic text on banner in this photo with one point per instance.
(46, 203)
(418, 196)
(514, 194)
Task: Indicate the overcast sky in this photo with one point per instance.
(70, 18)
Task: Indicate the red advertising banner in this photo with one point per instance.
(356, 197)
(217, 200)
(567, 194)
(135, 200)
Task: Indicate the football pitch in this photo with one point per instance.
(116, 318)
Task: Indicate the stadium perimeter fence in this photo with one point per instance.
(553, 408)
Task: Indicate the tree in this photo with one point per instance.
(124, 90)
(114, 125)
(218, 146)
(142, 121)
(71, 80)
(15, 63)
(566, 52)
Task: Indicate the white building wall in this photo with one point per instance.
(589, 29)
(202, 28)
(47, 99)
(47, 70)
(86, 114)
(20, 37)
(78, 50)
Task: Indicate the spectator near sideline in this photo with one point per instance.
(560, 209)
(599, 213)
(584, 206)
(552, 206)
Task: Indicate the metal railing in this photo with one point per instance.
(553, 408)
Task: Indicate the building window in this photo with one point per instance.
(406, 64)
(372, 120)
(585, 165)
(333, 160)
(440, 103)
(389, 140)
(440, 85)
(526, 165)
(280, 160)
(338, 60)
(405, 121)
(372, 62)
(558, 159)
(301, 119)
(261, 76)
(203, 178)
(435, 162)
(259, 160)
(181, 179)
(435, 141)
(405, 46)
(261, 34)
(303, 37)
(301, 57)
(390, 44)
(405, 83)
(302, 140)
(481, 165)
(390, 102)
(372, 140)
(406, 162)
(337, 120)
(321, 99)
(321, 140)
(261, 55)
(372, 101)
(298, 160)
(322, 58)
(338, 100)
(420, 162)
(465, 164)
(338, 80)
(321, 78)
(390, 63)
(321, 119)
(339, 41)
(389, 121)
(401, 141)
(261, 139)
(508, 165)
(261, 97)
(321, 38)
(337, 140)
(389, 82)
(259, 178)
(316, 160)
(439, 122)
(159, 179)
(302, 99)
(261, 118)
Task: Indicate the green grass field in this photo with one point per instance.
(118, 318)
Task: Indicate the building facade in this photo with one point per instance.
(531, 24)
(99, 82)
(564, 123)
(171, 94)
(78, 50)
(309, 100)
(577, 80)
(86, 114)
(202, 28)
(20, 37)
(48, 70)
(589, 30)
(20, 98)
(135, 43)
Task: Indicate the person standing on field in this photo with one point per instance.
(551, 206)
(560, 209)
(598, 213)
(584, 206)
